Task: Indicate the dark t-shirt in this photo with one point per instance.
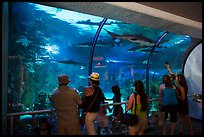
(96, 104)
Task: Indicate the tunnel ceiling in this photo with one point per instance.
(183, 18)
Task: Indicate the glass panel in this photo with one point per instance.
(46, 41)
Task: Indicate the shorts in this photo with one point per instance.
(172, 110)
(183, 108)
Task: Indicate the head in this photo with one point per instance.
(63, 79)
(94, 78)
(115, 89)
(139, 86)
(182, 80)
(167, 80)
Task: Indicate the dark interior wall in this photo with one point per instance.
(5, 34)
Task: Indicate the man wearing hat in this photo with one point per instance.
(92, 98)
(66, 101)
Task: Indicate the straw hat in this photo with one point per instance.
(94, 76)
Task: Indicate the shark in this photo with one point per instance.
(131, 38)
(70, 62)
(144, 48)
(99, 43)
(147, 50)
(136, 48)
(89, 22)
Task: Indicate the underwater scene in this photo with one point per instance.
(47, 41)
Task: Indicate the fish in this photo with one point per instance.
(145, 62)
(82, 77)
(88, 45)
(31, 70)
(131, 38)
(133, 49)
(99, 43)
(24, 41)
(99, 66)
(82, 67)
(88, 22)
(69, 62)
(149, 50)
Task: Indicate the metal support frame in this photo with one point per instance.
(94, 44)
(149, 58)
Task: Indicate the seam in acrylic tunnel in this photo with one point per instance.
(94, 44)
(149, 59)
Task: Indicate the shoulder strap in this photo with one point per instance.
(135, 102)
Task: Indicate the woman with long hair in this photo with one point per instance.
(141, 107)
(183, 103)
(117, 109)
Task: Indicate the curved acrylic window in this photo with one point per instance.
(46, 41)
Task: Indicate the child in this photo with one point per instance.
(102, 120)
(44, 127)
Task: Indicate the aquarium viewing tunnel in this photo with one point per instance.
(42, 41)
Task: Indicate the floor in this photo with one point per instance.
(157, 130)
(152, 129)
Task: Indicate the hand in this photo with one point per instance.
(167, 65)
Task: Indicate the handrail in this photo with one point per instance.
(11, 115)
(31, 112)
(113, 104)
(119, 103)
(53, 110)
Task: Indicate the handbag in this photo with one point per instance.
(82, 118)
(130, 119)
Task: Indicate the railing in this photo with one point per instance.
(51, 111)
(33, 113)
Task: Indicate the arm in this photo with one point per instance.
(78, 99)
(160, 95)
(130, 102)
(168, 67)
(181, 89)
